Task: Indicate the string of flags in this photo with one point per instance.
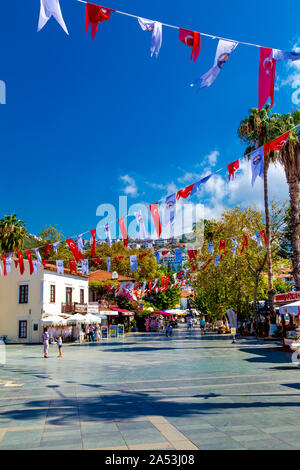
(77, 250)
(268, 57)
(169, 207)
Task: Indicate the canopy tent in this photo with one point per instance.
(176, 311)
(290, 309)
(106, 313)
(161, 312)
(53, 320)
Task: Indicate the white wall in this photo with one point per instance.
(38, 300)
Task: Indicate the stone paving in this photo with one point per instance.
(151, 392)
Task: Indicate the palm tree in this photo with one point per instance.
(289, 157)
(12, 233)
(256, 130)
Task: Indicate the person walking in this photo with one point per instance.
(167, 329)
(170, 329)
(59, 344)
(46, 338)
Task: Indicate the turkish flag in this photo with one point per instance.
(167, 281)
(263, 235)
(266, 77)
(276, 144)
(21, 262)
(118, 258)
(192, 254)
(150, 285)
(123, 231)
(96, 260)
(165, 252)
(29, 257)
(192, 39)
(93, 232)
(184, 193)
(142, 255)
(74, 249)
(4, 265)
(47, 249)
(232, 167)
(222, 245)
(246, 238)
(95, 14)
(156, 218)
(72, 264)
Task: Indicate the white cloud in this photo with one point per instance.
(130, 188)
(293, 78)
(217, 193)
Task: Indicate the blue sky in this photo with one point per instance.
(87, 121)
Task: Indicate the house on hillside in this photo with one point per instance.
(104, 276)
(24, 299)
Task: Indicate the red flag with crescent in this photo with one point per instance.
(96, 260)
(191, 39)
(192, 254)
(74, 249)
(276, 144)
(95, 14)
(93, 233)
(47, 250)
(263, 236)
(266, 77)
(29, 257)
(123, 231)
(186, 192)
(222, 245)
(4, 264)
(72, 264)
(150, 285)
(232, 167)
(156, 218)
(21, 262)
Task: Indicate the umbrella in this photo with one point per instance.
(77, 318)
(54, 320)
(90, 318)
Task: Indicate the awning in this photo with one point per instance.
(290, 309)
(125, 313)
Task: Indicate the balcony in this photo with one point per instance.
(74, 307)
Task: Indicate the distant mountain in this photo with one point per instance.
(31, 241)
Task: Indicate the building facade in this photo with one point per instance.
(24, 299)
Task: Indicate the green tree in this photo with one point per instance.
(164, 300)
(255, 130)
(12, 233)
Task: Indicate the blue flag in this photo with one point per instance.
(178, 255)
(198, 184)
(277, 54)
(157, 256)
(257, 163)
(107, 232)
(170, 209)
(108, 264)
(211, 248)
(133, 263)
(217, 260)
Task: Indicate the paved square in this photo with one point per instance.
(151, 392)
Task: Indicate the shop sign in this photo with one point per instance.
(288, 296)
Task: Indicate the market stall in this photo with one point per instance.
(291, 313)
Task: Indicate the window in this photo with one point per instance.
(82, 296)
(68, 295)
(35, 327)
(23, 294)
(52, 294)
(23, 329)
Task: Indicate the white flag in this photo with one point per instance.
(8, 263)
(35, 266)
(156, 28)
(85, 266)
(60, 266)
(51, 8)
(39, 259)
(55, 246)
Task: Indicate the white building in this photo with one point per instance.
(25, 298)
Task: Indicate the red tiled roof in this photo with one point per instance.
(103, 276)
(52, 267)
